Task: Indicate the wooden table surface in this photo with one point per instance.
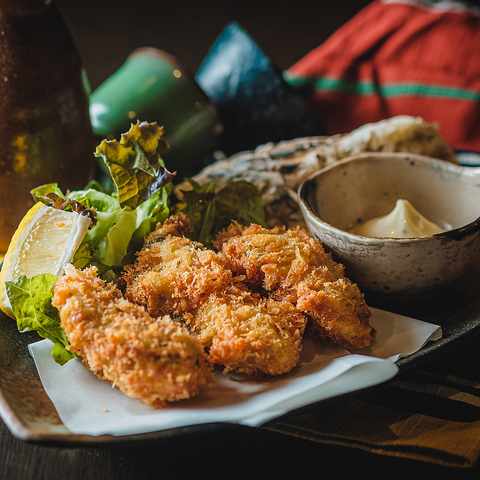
(105, 32)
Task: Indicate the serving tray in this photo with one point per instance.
(30, 415)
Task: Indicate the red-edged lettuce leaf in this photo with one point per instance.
(135, 164)
(212, 211)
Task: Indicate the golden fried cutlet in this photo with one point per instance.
(291, 265)
(174, 275)
(249, 334)
(154, 360)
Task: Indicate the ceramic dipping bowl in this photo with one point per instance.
(366, 186)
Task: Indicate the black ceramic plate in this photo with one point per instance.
(30, 415)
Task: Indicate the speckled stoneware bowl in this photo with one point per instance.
(367, 186)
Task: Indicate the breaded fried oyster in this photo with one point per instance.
(155, 360)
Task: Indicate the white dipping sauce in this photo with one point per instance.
(402, 222)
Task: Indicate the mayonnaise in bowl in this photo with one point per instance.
(404, 221)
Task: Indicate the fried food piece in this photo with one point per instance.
(291, 265)
(173, 274)
(249, 334)
(241, 330)
(154, 360)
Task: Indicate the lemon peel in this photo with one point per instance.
(44, 242)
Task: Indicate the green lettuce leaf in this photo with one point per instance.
(210, 211)
(31, 304)
(50, 194)
(40, 194)
(120, 231)
(135, 163)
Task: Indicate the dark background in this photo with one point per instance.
(106, 31)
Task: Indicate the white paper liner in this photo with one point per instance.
(87, 405)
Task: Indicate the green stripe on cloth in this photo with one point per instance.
(365, 88)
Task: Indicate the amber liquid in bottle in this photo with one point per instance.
(45, 129)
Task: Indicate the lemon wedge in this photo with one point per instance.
(44, 242)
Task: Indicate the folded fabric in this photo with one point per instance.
(399, 57)
(425, 417)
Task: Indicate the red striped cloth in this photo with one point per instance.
(399, 58)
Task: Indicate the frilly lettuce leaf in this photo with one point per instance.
(135, 163)
(50, 194)
(31, 305)
(210, 211)
(40, 194)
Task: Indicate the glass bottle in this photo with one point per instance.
(45, 129)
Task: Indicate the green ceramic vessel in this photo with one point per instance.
(153, 86)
